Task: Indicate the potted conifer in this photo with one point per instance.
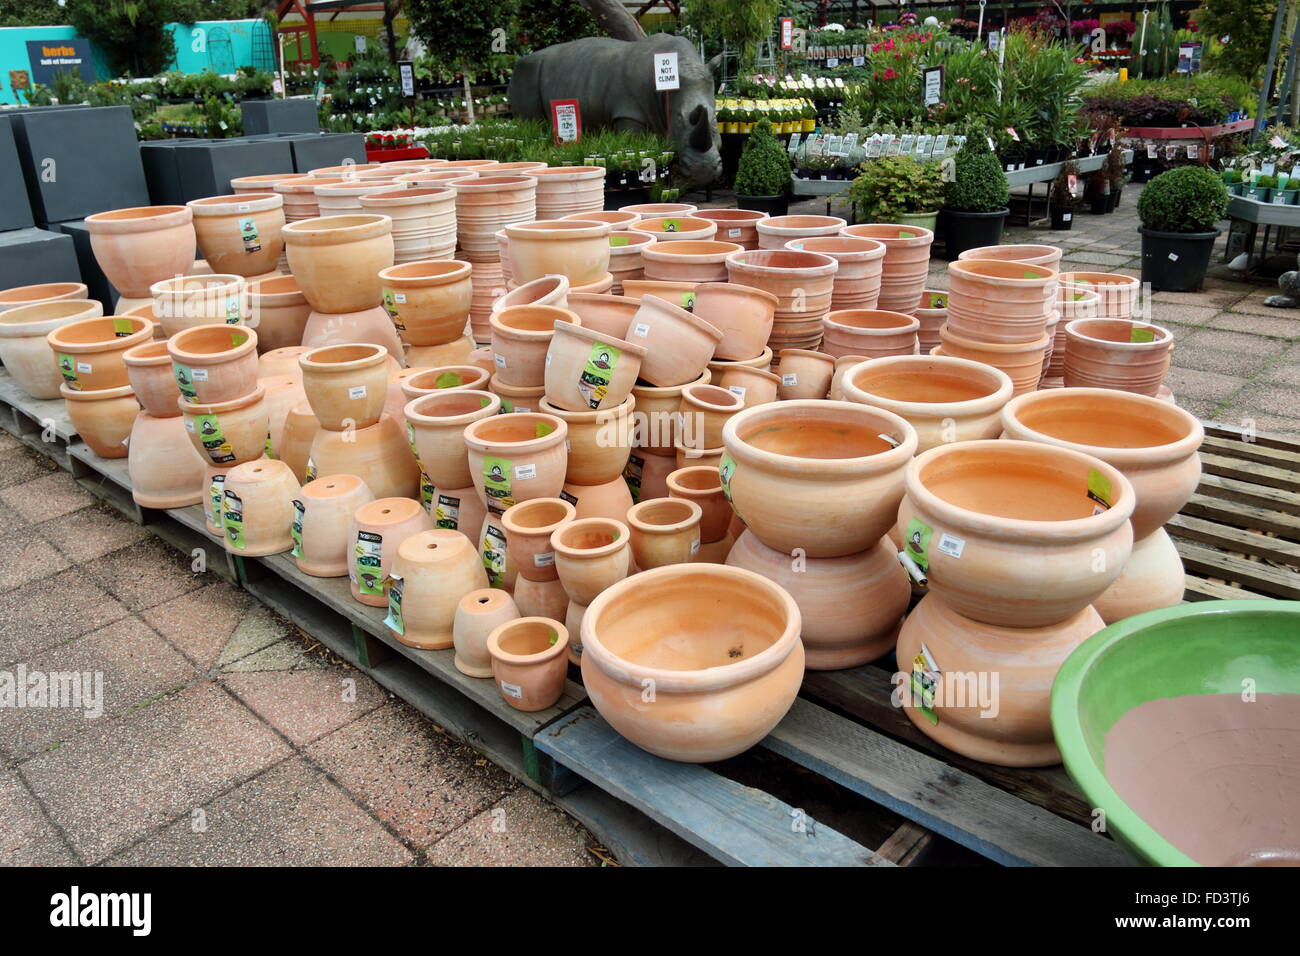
(974, 198)
(1180, 210)
(763, 177)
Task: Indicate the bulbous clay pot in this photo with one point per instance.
(1152, 442)
(805, 374)
(1023, 363)
(873, 333)
(599, 441)
(604, 314)
(530, 661)
(282, 395)
(436, 428)
(521, 336)
(517, 457)
(585, 370)
(906, 265)
(678, 343)
(448, 378)
(591, 554)
(257, 508)
(1118, 354)
(861, 261)
(945, 399)
(802, 283)
(851, 607)
(88, 352)
(337, 260)
(165, 470)
(1153, 577)
(576, 249)
(675, 228)
(457, 509)
(482, 357)
(186, 301)
(608, 500)
(296, 437)
(684, 456)
(1118, 293)
(281, 362)
(540, 598)
(240, 234)
(228, 433)
(1034, 255)
(991, 300)
(369, 327)
(214, 363)
(719, 367)
(278, 310)
(1011, 729)
(647, 476)
(24, 348)
(563, 190)
(664, 531)
(734, 225)
(379, 455)
(1017, 534)
(43, 292)
(754, 386)
(428, 301)
(346, 385)
(697, 260)
(103, 417)
(776, 231)
(322, 521)
(431, 572)
(514, 399)
(742, 314)
(704, 410)
(214, 483)
(676, 292)
(573, 615)
(842, 365)
(528, 527)
(816, 475)
(702, 484)
(139, 246)
(548, 290)
(433, 356)
(478, 614)
(932, 314)
(721, 646)
(658, 417)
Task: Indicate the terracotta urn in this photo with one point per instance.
(278, 310)
(805, 374)
(418, 382)
(675, 228)
(591, 554)
(228, 433)
(428, 301)
(322, 522)
(257, 508)
(337, 260)
(478, 614)
(296, 437)
(753, 386)
(861, 263)
(377, 530)
(1034, 255)
(139, 246)
(214, 363)
(608, 500)
(346, 385)
(742, 314)
(576, 249)
(585, 370)
(563, 190)
(530, 661)
(945, 399)
(281, 362)
(734, 225)
(932, 314)
(517, 398)
(1118, 294)
(528, 526)
(368, 327)
(1022, 362)
(431, 572)
(719, 646)
(42, 292)
(1153, 577)
(625, 261)
(1117, 353)
(704, 410)
(604, 314)
(540, 598)
(696, 260)
(436, 426)
(457, 352)
(777, 231)
(240, 234)
(521, 336)
(379, 455)
(186, 301)
(24, 346)
(678, 343)
(517, 457)
(647, 475)
(88, 352)
(873, 333)
(165, 470)
(102, 417)
(599, 441)
(992, 300)
(1014, 533)
(658, 416)
(702, 484)
(802, 283)
(906, 264)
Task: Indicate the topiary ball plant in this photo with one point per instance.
(764, 168)
(1186, 199)
(976, 182)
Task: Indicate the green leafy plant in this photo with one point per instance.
(977, 183)
(1187, 199)
(764, 166)
(896, 185)
(1266, 182)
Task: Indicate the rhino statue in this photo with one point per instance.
(613, 82)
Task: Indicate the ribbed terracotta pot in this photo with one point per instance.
(991, 300)
(299, 194)
(861, 261)
(424, 221)
(1117, 353)
(377, 531)
(1022, 362)
(625, 260)
(734, 225)
(576, 249)
(675, 228)
(563, 190)
(228, 433)
(240, 234)
(259, 184)
(42, 292)
(369, 326)
(585, 370)
(873, 333)
(604, 314)
(702, 484)
(322, 522)
(478, 614)
(528, 526)
(436, 426)
(337, 260)
(776, 231)
(678, 343)
(664, 531)
(24, 345)
(657, 416)
(530, 662)
(428, 301)
(704, 410)
(487, 203)
(805, 374)
(657, 210)
(754, 386)
(1118, 293)
(88, 352)
(257, 508)
(743, 314)
(591, 554)
(278, 310)
(517, 457)
(344, 197)
(165, 470)
(720, 646)
(599, 441)
(697, 260)
(186, 301)
(139, 246)
(346, 385)
(214, 363)
(102, 417)
(431, 572)
(802, 283)
(379, 455)
(296, 435)
(521, 336)
(906, 264)
(1035, 255)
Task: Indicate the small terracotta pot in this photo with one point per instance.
(585, 370)
(521, 336)
(1118, 354)
(805, 374)
(186, 301)
(368, 327)
(702, 484)
(530, 661)
(658, 416)
(257, 508)
(428, 301)
(932, 314)
(540, 598)
(576, 249)
(433, 356)
(278, 310)
(604, 314)
(678, 343)
(734, 225)
(1153, 577)
(431, 572)
(139, 246)
(165, 470)
(842, 365)
(240, 234)
(436, 425)
(698, 260)
(516, 399)
(337, 260)
(861, 263)
(1034, 255)
(609, 500)
(24, 345)
(88, 353)
(377, 531)
(548, 290)
(228, 433)
(214, 363)
(478, 614)
(742, 314)
(1118, 293)
(873, 333)
(591, 554)
(379, 455)
(281, 362)
(322, 522)
(528, 527)
(664, 531)
(103, 417)
(776, 231)
(43, 292)
(753, 386)
(704, 410)
(684, 456)
(449, 378)
(296, 437)
(1023, 363)
(992, 300)
(675, 228)
(599, 441)
(517, 457)
(346, 385)
(906, 264)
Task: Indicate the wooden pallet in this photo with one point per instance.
(42, 425)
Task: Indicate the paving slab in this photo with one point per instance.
(27, 837)
(1273, 324)
(305, 705)
(47, 497)
(521, 830)
(19, 466)
(147, 573)
(29, 558)
(199, 624)
(258, 629)
(90, 533)
(48, 612)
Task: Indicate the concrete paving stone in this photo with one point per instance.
(46, 496)
(289, 815)
(1085, 257)
(133, 663)
(1255, 303)
(258, 628)
(418, 780)
(1162, 312)
(111, 785)
(91, 533)
(1206, 409)
(1215, 298)
(305, 705)
(521, 830)
(1283, 373)
(27, 838)
(1278, 400)
(19, 465)
(1244, 416)
(48, 612)
(146, 573)
(280, 656)
(1274, 325)
(200, 623)
(28, 559)
(1246, 342)
(1193, 355)
(1190, 383)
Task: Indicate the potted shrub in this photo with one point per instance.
(898, 189)
(763, 177)
(1062, 198)
(1179, 210)
(975, 200)
(1232, 179)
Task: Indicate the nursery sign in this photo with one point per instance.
(566, 121)
(1189, 57)
(406, 70)
(666, 77)
(787, 33)
(49, 58)
(932, 84)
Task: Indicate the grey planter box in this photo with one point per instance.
(327, 149)
(280, 116)
(15, 207)
(97, 283)
(206, 168)
(160, 170)
(31, 256)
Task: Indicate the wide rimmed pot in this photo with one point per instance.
(802, 283)
(822, 476)
(379, 455)
(1117, 353)
(857, 281)
(657, 415)
(186, 301)
(625, 259)
(1014, 533)
(517, 457)
(261, 183)
(1030, 254)
(103, 417)
(720, 645)
(906, 264)
(529, 525)
(372, 326)
(1119, 293)
(42, 292)
(445, 378)
(427, 301)
(346, 385)
(490, 202)
(704, 410)
(1153, 578)
(278, 310)
(991, 300)
(563, 190)
(664, 531)
(530, 662)
(776, 232)
(228, 433)
(344, 197)
(678, 343)
(88, 352)
(805, 374)
(585, 370)
(591, 555)
(604, 314)
(139, 246)
(478, 614)
(149, 370)
(945, 399)
(550, 290)
(675, 228)
(754, 386)
(676, 292)
(658, 210)
(337, 260)
(24, 345)
(743, 314)
(164, 468)
(323, 513)
(702, 484)
(521, 336)
(214, 363)
(698, 260)
(734, 225)
(431, 572)
(257, 508)
(1023, 362)
(240, 234)
(617, 218)
(436, 426)
(874, 333)
(377, 531)
(576, 249)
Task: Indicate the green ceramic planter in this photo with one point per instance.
(1203, 648)
(926, 220)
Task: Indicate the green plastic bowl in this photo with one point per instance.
(1204, 648)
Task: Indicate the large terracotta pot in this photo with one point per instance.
(664, 531)
(805, 374)
(530, 661)
(1118, 293)
(458, 509)
(563, 190)
(214, 363)
(1008, 724)
(433, 356)
(43, 292)
(1047, 256)
(478, 614)
(529, 525)
(585, 370)
(370, 326)
(658, 416)
(278, 310)
(678, 343)
(1022, 362)
(576, 249)
(517, 457)
(743, 315)
(604, 314)
(542, 599)
(599, 441)
(527, 398)
(378, 529)
(88, 352)
(1153, 577)
(857, 282)
(296, 437)
(704, 411)
(431, 572)
(322, 521)
(521, 336)
(424, 221)
(299, 194)
(139, 246)
(548, 290)
(873, 333)
(625, 257)
(719, 646)
(281, 362)
(24, 345)
(1013, 533)
(240, 234)
(906, 265)
(802, 283)
(428, 301)
(816, 475)
(228, 433)
(103, 417)
(777, 231)
(1118, 354)
(488, 203)
(591, 554)
(346, 385)
(165, 470)
(945, 399)
(675, 228)
(149, 370)
(378, 455)
(699, 260)
(436, 426)
(337, 260)
(734, 225)
(608, 500)
(187, 301)
(991, 300)
(679, 293)
(658, 210)
(851, 607)
(932, 313)
(257, 508)
(754, 386)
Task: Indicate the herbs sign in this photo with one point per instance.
(666, 77)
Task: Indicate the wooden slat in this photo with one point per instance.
(906, 845)
(1245, 492)
(1244, 516)
(1199, 589)
(1254, 575)
(1253, 472)
(1261, 439)
(1233, 539)
(1253, 451)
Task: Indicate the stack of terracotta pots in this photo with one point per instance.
(696, 260)
(734, 225)
(528, 527)
(871, 333)
(521, 338)
(88, 355)
(1118, 293)
(429, 303)
(241, 234)
(299, 194)
(906, 264)
(802, 283)
(343, 197)
(424, 221)
(29, 314)
(140, 246)
(563, 190)
(187, 301)
(857, 281)
(1117, 353)
(1072, 303)
(777, 232)
(486, 205)
(675, 228)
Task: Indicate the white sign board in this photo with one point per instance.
(666, 77)
(406, 70)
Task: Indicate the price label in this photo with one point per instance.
(566, 121)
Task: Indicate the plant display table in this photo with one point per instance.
(1249, 215)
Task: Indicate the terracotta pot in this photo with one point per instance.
(805, 374)
(1000, 302)
(743, 314)
(458, 509)
(436, 425)
(690, 261)
(802, 283)
(348, 170)
(379, 455)
(604, 314)
(186, 301)
(753, 386)
(1117, 354)
(842, 364)
(214, 363)
(548, 290)
(1007, 533)
(585, 370)
(530, 662)
(434, 177)
(488, 203)
(521, 336)
(1153, 577)
(257, 508)
(88, 352)
(599, 441)
(344, 197)
(777, 231)
(424, 221)
(299, 194)
(103, 417)
(517, 399)
(945, 399)
(240, 234)
(576, 249)
(719, 367)
(139, 246)
(675, 228)
(337, 260)
(678, 343)
(369, 327)
(482, 358)
(1118, 293)
(719, 645)
(346, 385)
(685, 456)
(664, 531)
(528, 526)
(704, 410)
(873, 333)
(906, 264)
(448, 378)
(44, 292)
(517, 457)
(625, 260)
(296, 437)
(260, 184)
(494, 552)
(434, 356)
(677, 292)
(573, 615)
(851, 607)
(702, 484)
(564, 190)
(478, 614)
(591, 554)
(281, 396)
(1153, 443)
(658, 210)
(228, 433)
(734, 225)
(1023, 363)
(431, 572)
(165, 470)
(540, 598)
(658, 416)
(816, 475)
(281, 362)
(322, 522)
(932, 314)
(377, 531)
(427, 301)
(24, 348)
(861, 261)
(609, 500)
(1047, 256)
(278, 310)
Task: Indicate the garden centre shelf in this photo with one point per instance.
(1253, 213)
(1203, 133)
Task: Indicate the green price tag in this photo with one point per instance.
(1099, 489)
(1139, 334)
(916, 543)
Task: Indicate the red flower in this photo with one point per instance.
(890, 74)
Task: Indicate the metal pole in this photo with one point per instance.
(1268, 71)
(979, 30)
(1142, 43)
(1285, 90)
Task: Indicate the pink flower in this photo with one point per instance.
(890, 74)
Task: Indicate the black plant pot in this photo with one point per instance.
(1099, 203)
(1176, 261)
(778, 205)
(1062, 217)
(971, 230)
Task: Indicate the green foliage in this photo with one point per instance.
(742, 23)
(1249, 23)
(1266, 182)
(545, 23)
(1060, 193)
(512, 141)
(24, 13)
(978, 182)
(895, 185)
(1186, 199)
(463, 34)
(764, 168)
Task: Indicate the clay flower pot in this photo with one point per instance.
(1022, 362)
(530, 661)
(604, 314)
(377, 531)
(418, 382)
(521, 335)
(296, 437)
(719, 645)
(478, 614)
(664, 531)
(214, 482)
(704, 410)
(932, 314)
(945, 399)
(576, 249)
(753, 386)
(541, 599)
(517, 399)
(1013, 533)
(424, 221)
(1153, 577)
(214, 363)
(281, 396)
(719, 367)
(861, 262)
(186, 301)
(548, 290)
(369, 326)
(675, 228)
(851, 606)
(488, 203)
(165, 470)
(585, 370)
(906, 265)
(43, 292)
(458, 509)
(344, 197)
(1046, 256)
(734, 225)
(240, 234)
(139, 246)
(599, 441)
(260, 184)
(610, 500)
(337, 260)
(228, 433)
(990, 300)
(777, 231)
(742, 314)
(88, 352)
(842, 364)
(517, 457)
(529, 525)
(346, 385)
(657, 210)
(431, 572)
(691, 261)
(563, 190)
(1118, 293)
(617, 218)
(257, 507)
(103, 417)
(805, 374)
(684, 456)
(816, 475)
(436, 426)
(625, 261)
(1116, 353)
(591, 554)
(873, 333)
(428, 301)
(281, 362)
(278, 310)
(658, 416)
(24, 348)
(702, 484)
(802, 283)
(379, 455)
(322, 521)
(678, 343)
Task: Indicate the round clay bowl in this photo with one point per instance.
(214, 363)
(678, 343)
(186, 301)
(585, 370)
(24, 345)
(521, 336)
(742, 314)
(346, 385)
(604, 314)
(576, 249)
(88, 352)
(44, 292)
(517, 457)
(599, 441)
